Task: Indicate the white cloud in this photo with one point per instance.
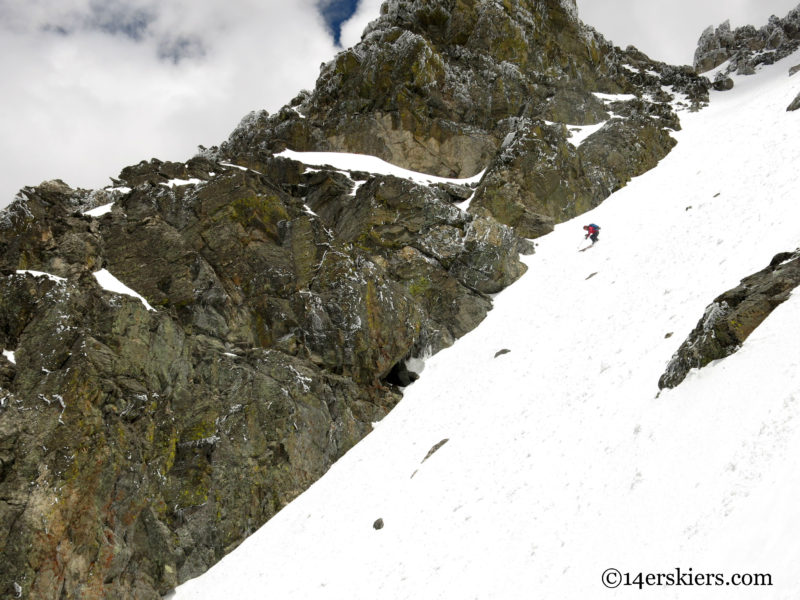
(368, 10)
(668, 31)
(81, 104)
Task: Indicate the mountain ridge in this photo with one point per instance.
(442, 87)
(140, 446)
(562, 459)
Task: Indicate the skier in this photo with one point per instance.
(592, 231)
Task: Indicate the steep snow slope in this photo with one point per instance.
(562, 460)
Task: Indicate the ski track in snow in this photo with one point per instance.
(562, 460)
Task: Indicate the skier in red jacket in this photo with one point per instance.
(592, 231)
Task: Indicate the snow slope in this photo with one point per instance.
(562, 461)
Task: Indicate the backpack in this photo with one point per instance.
(596, 227)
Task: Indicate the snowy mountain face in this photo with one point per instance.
(187, 351)
(745, 48)
(536, 458)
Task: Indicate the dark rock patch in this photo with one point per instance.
(795, 104)
(733, 316)
(401, 376)
(722, 83)
(435, 447)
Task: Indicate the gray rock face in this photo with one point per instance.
(713, 47)
(733, 316)
(747, 47)
(139, 446)
(795, 104)
(440, 86)
(539, 178)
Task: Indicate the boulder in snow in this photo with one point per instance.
(733, 316)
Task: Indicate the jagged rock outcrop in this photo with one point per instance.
(138, 446)
(441, 87)
(747, 47)
(733, 316)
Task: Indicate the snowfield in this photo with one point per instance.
(562, 459)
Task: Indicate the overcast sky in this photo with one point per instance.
(90, 86)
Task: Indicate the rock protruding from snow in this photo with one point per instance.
(733, 316)
(713, 47)
(747, 47)
(434, 448)
(795, 104)
(722, 83)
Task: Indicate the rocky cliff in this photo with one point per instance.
(142, 438)
(454, 87)
(138, 443)
(733, 316)
(744, 48)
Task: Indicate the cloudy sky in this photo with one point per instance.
(90, 86)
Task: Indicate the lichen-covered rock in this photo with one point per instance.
(733, 316)
(439, 86)
(747, 47)
(138, 446)
(623, 149)
(540, 178)
(445, 258)
(525, 184)
(130, 441)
